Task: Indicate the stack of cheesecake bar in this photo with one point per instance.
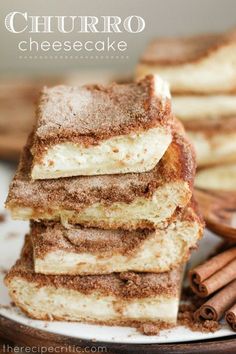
(201, 71)
(106, 181)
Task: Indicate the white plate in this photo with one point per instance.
(11, 239)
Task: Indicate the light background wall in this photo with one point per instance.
(163, 18)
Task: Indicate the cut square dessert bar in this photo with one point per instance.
(221, 178)
(95, 251)
(95, 130)
(196, 110)
(200, 64)
(214, 146)
(130, 201)
(132, 299)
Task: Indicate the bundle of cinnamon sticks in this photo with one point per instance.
(216, 277)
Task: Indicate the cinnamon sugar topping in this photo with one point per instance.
(89, 114)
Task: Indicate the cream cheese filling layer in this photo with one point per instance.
(163, 250)
(66, 304)
(137, 152)
(154, 210)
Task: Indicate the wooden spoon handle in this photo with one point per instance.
(219, 211)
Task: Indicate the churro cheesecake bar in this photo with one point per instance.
(213, 145)
(129, 201)
(195, 110)
(221, 178)
(95, 251)
(130, 299)
(199, 64)
(211, 125)
(95, 130)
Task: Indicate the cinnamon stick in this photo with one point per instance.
(230, 317)
(215, 308)
(197, 315)
(213, 274)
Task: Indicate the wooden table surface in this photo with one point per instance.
(28, 337)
